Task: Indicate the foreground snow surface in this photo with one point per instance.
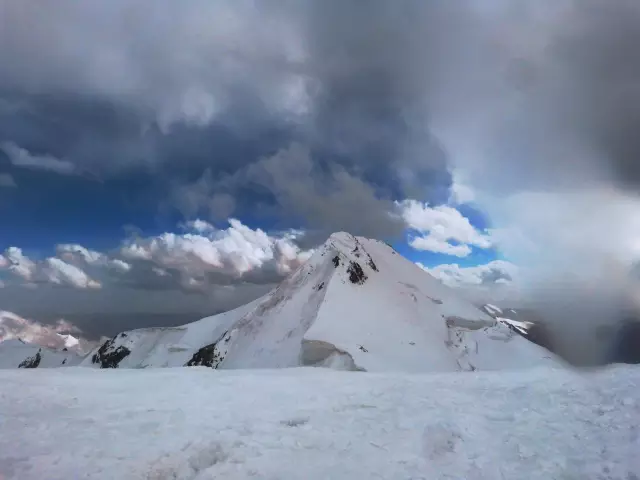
(319, 424)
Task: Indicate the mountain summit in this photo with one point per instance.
(354, 305)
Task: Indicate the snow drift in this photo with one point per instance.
(355, 305)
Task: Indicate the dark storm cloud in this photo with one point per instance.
(549, 97)
(549, 87)
(181, 89)
(599, 54)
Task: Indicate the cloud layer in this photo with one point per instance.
(361, 116)
(195, 259)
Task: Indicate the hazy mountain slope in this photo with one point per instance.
(356, 304)
(164, 346)
(18, 354)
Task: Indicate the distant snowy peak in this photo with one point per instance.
(356, 305)
(69, 340)
(16, 353)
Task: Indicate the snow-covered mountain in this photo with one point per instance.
(355, 305)
(18, 354)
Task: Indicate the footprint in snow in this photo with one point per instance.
(440, 441)
(187, 463)
(295, 422)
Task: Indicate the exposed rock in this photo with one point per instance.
(336, 261)
(210, 355)
(356, 274)
(108, 356)
(31, 362)
(371, 264)
(205, 357)
(320, 286)
(362, 349)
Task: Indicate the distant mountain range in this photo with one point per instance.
(356, 304)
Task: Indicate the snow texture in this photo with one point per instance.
(198, 424)
(18, 354)
(355, 304)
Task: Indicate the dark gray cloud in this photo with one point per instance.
(550, 99)
(599, 55)
(333, 198)
(177, 89)
(108, 311)
(541, 89)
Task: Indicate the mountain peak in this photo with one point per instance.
(354, 305)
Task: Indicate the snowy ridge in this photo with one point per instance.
(355, 305)
(18, 354)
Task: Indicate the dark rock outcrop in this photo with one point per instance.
(31, 362)
(207, 356)
(372, 265)
(356, 274)
(210, 355)
(109, 356)
(336, 261)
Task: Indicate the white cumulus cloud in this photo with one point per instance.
(62, 273)
(497, 271)
(75, 253)
(234, 251)
(19, 264)
(443, 229)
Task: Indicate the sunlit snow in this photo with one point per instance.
(313, 423)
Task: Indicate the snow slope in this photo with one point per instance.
(356, 305)
(18, 354)
(307, 423)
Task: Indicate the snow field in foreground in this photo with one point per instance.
(310, 423)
